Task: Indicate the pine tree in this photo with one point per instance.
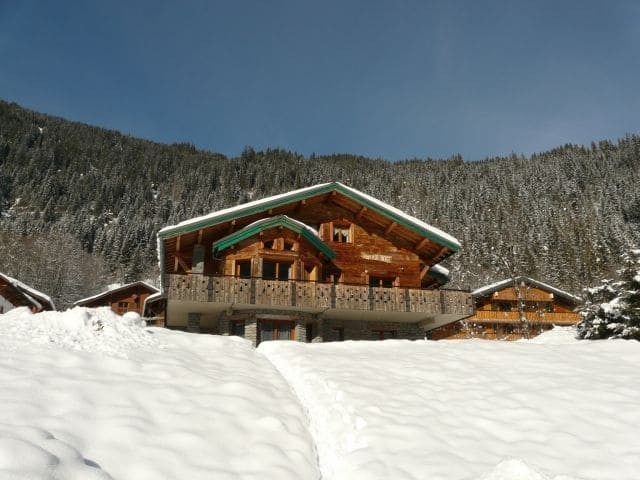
(612, 309)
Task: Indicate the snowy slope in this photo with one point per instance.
(471, 409)
(88, 395)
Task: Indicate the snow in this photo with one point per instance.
(555, 408)
(124, 401)
(87, 394)
(114, 287)
(440, 269)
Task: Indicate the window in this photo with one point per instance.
(383, 334)
(289, 245)
(275, 330)
(123, 307)
(237, 328)
(243, 269)
(276, 270)
(268, 245)
(341, 233)
(386, 282)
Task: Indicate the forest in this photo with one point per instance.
(80, 206)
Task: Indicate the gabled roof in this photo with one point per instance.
(494, 287)
(275, 201)
(35, 297)
(439, 273)
(111, 291)
(273, 222)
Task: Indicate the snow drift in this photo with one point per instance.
(86, 394)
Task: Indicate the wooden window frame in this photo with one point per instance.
(341, 226)
(276, 323)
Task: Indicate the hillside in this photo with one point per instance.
(88, 202)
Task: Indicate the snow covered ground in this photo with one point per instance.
(87, 395)
(550, 408)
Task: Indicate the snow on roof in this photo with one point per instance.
(31, 293)
(113, 290)
(293, 220)
(237, 208)
(509, 281)
(406, 216)
(439, 269)
(348, 191)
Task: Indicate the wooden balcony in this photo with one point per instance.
(556, 318)
(316, 296)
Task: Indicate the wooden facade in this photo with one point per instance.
(14, 293)
(497, 315)
(127, 298)
(326, 251)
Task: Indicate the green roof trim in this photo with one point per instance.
(276, 201)
(438, 276)
(269, 223)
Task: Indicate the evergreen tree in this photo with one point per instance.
(612, 309)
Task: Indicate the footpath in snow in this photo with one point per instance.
(86, 394)
(551, 408)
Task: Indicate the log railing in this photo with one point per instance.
(534, 317)
(313, 295)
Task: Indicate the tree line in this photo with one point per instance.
(97, 194)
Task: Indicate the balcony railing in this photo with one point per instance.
(558, 318)
(314, 295)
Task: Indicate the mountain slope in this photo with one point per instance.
(563, 215)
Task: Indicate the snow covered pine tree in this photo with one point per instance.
(612, 310)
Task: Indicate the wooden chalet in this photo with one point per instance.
(127, 298)
(321, 263)
(497, 315)
(14, 293)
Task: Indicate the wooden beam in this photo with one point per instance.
(178, 243)
(199, 236)
(232, 226)
(360, 213)
(182, 263)
(441, 253)
(424, 271)
(391, 226)
(301, 204)
(421, 243)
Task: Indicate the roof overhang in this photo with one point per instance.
(279, 221)
(432, 233)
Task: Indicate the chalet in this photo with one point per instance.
(321, 263)
(127, 298)
(497, 315)
(14, 293)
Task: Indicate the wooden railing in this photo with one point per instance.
(534, 317)
(313, 295)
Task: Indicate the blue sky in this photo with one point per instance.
(391, 79)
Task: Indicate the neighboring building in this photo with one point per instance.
(14, 293)
(153, 309)
(317, 264)
(127, 298)
(497, 316)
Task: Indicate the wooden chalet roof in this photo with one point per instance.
(112, 291)
(21, 294)
(271, 203)
(507, 283)
(273, 222)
